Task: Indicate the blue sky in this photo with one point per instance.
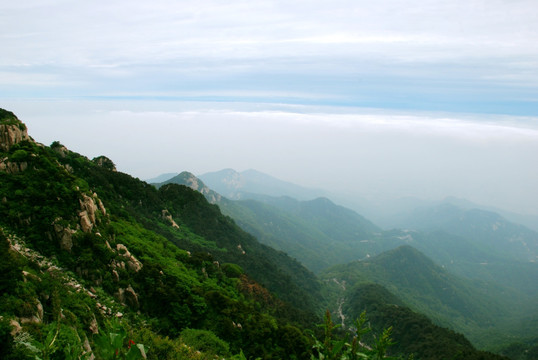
(431, 98)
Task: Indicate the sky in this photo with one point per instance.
(379, 98)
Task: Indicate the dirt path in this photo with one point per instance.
(340, 302)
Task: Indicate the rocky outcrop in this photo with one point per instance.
(59, 149)
(132, 263)
(128, 297)
(12, 167)
(87, 213)
(64, 235)
(36, 317)
(115, 275)
(88, 209)
(194, 183)
(15, 327)
(168, 217)
(104, 162)
(101, 206)
(12, 132)
(94, 326)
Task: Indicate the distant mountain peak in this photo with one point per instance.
(161, 178)
(189, 179)
(241, 185)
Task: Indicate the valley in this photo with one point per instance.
(497, 280)
(242, 265)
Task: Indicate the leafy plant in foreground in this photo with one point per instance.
(111, 344)
(332, 348)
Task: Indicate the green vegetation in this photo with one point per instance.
(318, 233)
(113, 343)
(449, 301)
(491, 306)
(412, 333)
(95, 244)
(8, 118)
(334, 348)
(98, 263)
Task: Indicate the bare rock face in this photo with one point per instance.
(132, 263)
(196, 184)
(101, 207)
(131, 298)
(88, 208)
(12, 167)
(120, 295)
(94, 326)
(15, 327)
(168, 217)
(64, 235)
(12, 133)
(115, 276)
(35, 318)
(128, 297)
(85, 222)
(40, 311)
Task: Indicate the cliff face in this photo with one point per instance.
(12, 130)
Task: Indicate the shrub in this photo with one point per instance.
(232, 270)
(205, 341)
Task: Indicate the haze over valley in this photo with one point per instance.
(269, 180)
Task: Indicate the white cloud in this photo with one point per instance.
(487, 159)
(141, 32)
(427, 54)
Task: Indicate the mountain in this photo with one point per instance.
(96, 263)
(188, 179)
(393, 213)
(320, 234)
(411, 331)
(161, 178)
(463, 257)
(89, 252)
(317, 232)
(241, 185)
(528, 220)
(469, 307)
(486, 229)
(476, 244)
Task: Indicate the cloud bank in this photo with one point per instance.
(371, 153)
(458, 56)
(386, 98)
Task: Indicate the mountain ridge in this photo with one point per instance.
(165, 262)
(239, 185)
(425, 287)
(160, 261)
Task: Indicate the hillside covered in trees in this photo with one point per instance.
(98, 264)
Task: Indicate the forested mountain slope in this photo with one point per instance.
(85, 244)
(96, 262)
(242, 185)
(470, 307)
(317, 232)
(411, 331)
(488, 230)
